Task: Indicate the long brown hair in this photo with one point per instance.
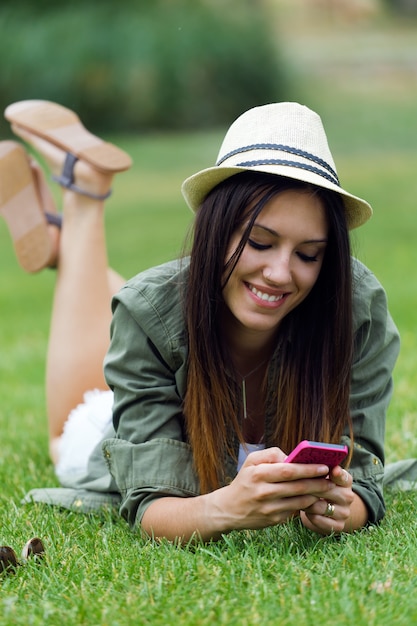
(311, 387)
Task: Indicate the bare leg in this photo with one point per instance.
(81, 314)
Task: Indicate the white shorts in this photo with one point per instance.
(83, 430)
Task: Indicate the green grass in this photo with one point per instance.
(96, 571)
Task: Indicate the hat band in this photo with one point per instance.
(296, 164)
(331, 176)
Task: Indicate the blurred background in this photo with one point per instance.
(164, 79)
(140, 65)
(184, 64)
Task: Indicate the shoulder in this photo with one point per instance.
(363, 278)
(372, 321)
(154, 298)
(169, 275)
(369, 297)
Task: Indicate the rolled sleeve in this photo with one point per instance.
(375, 352)
(144, 472)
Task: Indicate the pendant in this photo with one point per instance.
(245, 411)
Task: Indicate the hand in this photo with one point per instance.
(267, 491)
(341, 497)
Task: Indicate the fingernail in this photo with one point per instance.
(322, 469)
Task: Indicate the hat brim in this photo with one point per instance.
(196, 188)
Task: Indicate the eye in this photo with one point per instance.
(306, 258)
(258, 246)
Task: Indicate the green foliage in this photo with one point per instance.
(136, 65)
(407, 8)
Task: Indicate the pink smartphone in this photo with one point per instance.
(330, 454)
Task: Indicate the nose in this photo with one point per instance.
(277, 270)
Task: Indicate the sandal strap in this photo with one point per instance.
(54, 218)
(66, 179)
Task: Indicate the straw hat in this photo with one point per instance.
(285, 139)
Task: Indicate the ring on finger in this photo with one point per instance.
(329, 512)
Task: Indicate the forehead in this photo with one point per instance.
(294, 212)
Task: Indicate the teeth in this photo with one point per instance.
(265, 296)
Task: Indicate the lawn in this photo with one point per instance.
(96, 571)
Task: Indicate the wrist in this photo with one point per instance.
(219, 520)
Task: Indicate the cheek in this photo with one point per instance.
(308, 277)
(244, 264)
(232, 247)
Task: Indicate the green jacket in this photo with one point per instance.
(146, 456)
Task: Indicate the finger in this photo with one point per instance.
(342, 496)
(329, 509)
(322, 507)
(341, 477)
(332, 511)
(283, 508)
(322, 524)
(311, 477)
(268, 455)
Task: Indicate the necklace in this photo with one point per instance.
(244, 400)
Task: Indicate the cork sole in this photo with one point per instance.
(63, 128)
(21, 208)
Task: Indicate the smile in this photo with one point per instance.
(265, 296)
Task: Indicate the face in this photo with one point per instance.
(279, 264)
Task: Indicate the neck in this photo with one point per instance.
(247, 348)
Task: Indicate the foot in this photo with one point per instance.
(53, 218)
(79, 160)
(85, 177)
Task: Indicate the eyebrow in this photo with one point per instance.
(275, 234)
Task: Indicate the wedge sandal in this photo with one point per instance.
(63, 128)
(21, 208)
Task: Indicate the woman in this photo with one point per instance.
(221, 363)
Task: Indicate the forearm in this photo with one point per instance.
(262, 494)
(183, 518)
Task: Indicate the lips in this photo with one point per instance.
(266, 297)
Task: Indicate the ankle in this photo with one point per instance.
(93, 184)
(54, 232)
